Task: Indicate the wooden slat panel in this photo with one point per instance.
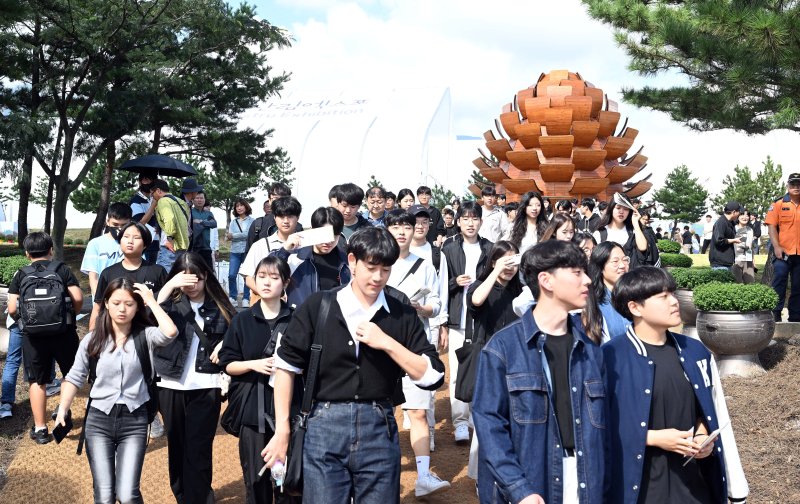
(475, 190)
(558, 121)
(557, 172)
(510, 121)
(639, 189)
(496, 175)
(619, 173)
(581, 107)
(480, 163)
(608, 123)
(616, 147)
(521, 97)
(587, 159)
(528, 134)
(557, 146)
(577, 86)
(524, 160)
(588, 186)
(631, 133)
(520, 186)
(596, 94)
(535, 108)
(585, 132)
(488, 135)
(558, 75)
(638, 161)
(498, 148)
(611, 105)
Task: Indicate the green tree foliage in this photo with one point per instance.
(281, 169)
(374, 182)
(179, 71)
(739, 59)
(755, 192)
(682, 198)
(441, 196)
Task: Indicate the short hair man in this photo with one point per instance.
(172, 215)
(466, 255)
(389, 201)
(190, 189)
(494, 222)
(449, 218)
(545, 360)
(103, 251)
(724, 237)
(39, 350)
(333, 196)
(143, 208)
(511, 212)
(436, 231)
(262, 227)
(376, 206)
(285, 213)
(686, 237)
(783, 222)
(371, 341)
(349, 200)
(708, 231)
(588, 219)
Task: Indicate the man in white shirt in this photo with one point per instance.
(413, 275)
(708, 230)
(494, 219)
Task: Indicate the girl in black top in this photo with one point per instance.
(247, 355)
(489, 298)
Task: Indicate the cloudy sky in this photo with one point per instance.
(485, 51)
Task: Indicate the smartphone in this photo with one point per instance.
(61, 431)
(516, 259)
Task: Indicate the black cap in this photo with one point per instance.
(733, 206)
(190, 185)
(793, 178)
(416, 210)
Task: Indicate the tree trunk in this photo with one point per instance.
(48, 208)
(105, 192)
(24, 197)
(60, 214)
(156, 139)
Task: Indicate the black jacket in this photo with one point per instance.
(169, 360)
(456, 263)
(722, 253)
(588, 225)
(436, 228)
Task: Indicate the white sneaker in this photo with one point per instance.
(462, 433)
(156, 428)
(428, 484)
(5, 410)
(53, 388)
(234, 302)
(431, 430)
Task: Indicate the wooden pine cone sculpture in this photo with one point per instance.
(562, 140)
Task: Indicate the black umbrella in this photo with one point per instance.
(160, 165)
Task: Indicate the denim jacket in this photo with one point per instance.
(520, 449)
(305, 280)
(629, 381)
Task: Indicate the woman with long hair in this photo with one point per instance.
(607, 264)
(189, 390)
(622, 225)
(237, 234)
(561, 227)
(116, 418)
(247, 355)
(405, 198)
(529, 223)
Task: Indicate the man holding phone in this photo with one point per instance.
(466, 255)
(783, 222)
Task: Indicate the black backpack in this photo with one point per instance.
(43, 300)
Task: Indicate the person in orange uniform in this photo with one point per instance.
(783, 221)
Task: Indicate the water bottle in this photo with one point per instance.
(278, 472)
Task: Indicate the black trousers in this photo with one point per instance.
(259, 491)
(190, 420)
(706, 243)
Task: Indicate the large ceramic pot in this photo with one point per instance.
(736, 338)
(688, 311)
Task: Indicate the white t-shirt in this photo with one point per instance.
(425, 276)
(472, 253)
(425, 252)
(258, 251)
(494, 224)
(616, 235)
(190, 379)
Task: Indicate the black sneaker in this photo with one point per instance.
(777, 316)
(41, 436)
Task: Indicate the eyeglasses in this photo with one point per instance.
(471, 219)
(615, 262)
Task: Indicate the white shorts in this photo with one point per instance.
(416, 398)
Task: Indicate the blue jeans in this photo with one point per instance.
(13, 362)
(233, 274)
(115, 446)
(780, 280)
(352, 449)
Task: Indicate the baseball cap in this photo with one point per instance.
(793, 178)
(419, 210)
(733, 206)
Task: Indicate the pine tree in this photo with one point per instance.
(755, 192)
(682, 198)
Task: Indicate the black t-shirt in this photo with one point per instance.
(687, 237)
(63, 271)
(557, 350)
(496, 312)
(328, 266)
(673, 406)
(152, 275)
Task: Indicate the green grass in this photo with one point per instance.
(702, 260)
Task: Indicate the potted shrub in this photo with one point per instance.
(8, 267)
(669, 260)
(687, 279)
(735, 322)
(668, 247)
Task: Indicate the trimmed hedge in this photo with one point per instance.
(668, 246)
(689, 278)
(677, 260)
(9, 266)
(718, 296)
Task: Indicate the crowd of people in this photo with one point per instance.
(566, 380)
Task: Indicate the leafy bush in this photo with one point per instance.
(9, 266)
(80, 241)
(689, 278)
(69, 241)
(668, 246)
(677, 260)
(718, 296)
